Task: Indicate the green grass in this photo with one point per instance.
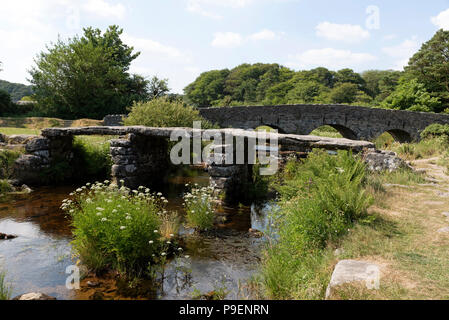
(321, 199)
(5, 289)
(16, 131)
(326, 131)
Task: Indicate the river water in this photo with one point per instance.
(37, 259)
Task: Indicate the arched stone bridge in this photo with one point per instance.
(353, 122)
(141, 157)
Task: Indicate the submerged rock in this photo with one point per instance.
(4, 236)
(351, 271)
(34, 296)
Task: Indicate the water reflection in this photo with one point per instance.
(38, 258)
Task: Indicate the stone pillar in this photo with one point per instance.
(230, 181)
(139, 160)
(41, 154)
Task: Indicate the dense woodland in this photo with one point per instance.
(96, 82)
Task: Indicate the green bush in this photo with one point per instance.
(162, 112)
(117, 229)
(7, 160)
(200, 208)
(436, 130)
(320, 199)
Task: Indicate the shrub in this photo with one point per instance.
(7, 160)
(436, 130)
(200, 208)
(116, 228)
(162, 112)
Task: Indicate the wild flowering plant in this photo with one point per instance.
(200, 205)
(118, 228)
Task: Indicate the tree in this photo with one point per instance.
(430, 66)
(306, 91)
(5, 102)
(87, 76)
(380, 83)
(157, 88)
(344, 93)
(411, 95)
(207, 88)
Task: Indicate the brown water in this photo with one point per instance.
(37, 259)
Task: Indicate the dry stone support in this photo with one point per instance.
(229, 175)
(139, 160)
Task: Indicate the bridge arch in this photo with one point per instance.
(344, 131)
(400, 135)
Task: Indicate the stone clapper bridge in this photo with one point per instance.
(141, 157)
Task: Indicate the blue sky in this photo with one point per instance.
(179, 39)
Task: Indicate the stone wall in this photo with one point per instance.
(139, 161)
(114, 120)
(353, 122)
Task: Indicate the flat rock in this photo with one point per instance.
(34, 296)
(351, 271)
(378, 160)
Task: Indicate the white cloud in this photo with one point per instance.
(155, 49)
(207, 7)
(263, 35)
(402, 52)
(330, 58)
(341, 32)
(233, 40)
(105, 9)
(227, 40)
(441, 20)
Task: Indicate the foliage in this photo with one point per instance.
(7, 160)
(424, 149)
(94, 159)
(320, 199)
(411, 95)
(16, 90)
(117, 229)
(5, 289)
(87, 77)
(161, 112)
(271, 84)
(430, 66)
(200, 208)
(5, 102)
(436, 130)
(157, 88)
(380, 83)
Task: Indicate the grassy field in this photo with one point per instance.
(14, 131)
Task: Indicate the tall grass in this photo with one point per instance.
(321, 198)
(94, 156)
(5, 289)
(118, 229)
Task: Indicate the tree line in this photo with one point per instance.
(88, 77)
